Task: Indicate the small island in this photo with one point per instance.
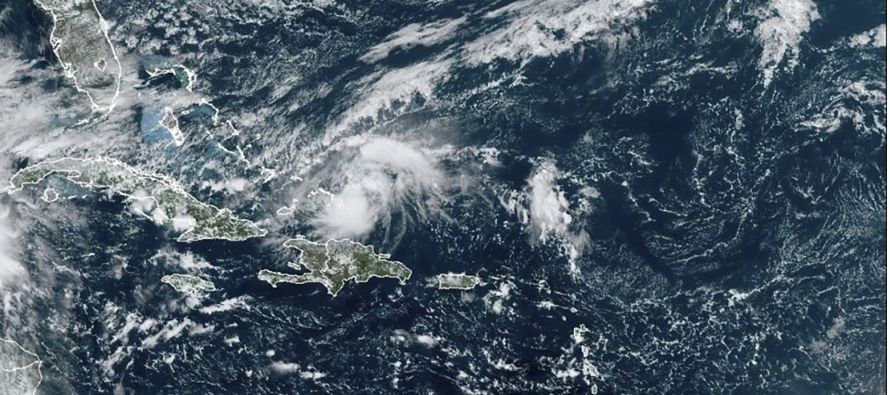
(185, 78)
(335, 262)
(157, 197)
(457, 281)
(171, 125)
(188, 284)
(50, 195)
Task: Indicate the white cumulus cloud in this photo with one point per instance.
(780, 31)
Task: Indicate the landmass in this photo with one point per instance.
(457, 281)
(171, 124)
(20, 371)
(80, 41)
(188, 284)
(154, 196)
(335, 262)
(184, 77)
(50, 195)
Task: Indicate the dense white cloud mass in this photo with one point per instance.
(11, 268)
(414, 35)
(378, 177)
(781, 29)
(547, 203)
(544, 207)
(533, 28)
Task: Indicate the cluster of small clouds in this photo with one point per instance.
(497, 300)
(543, 205)
(406, 339)
(280, 367)
(876, 38)
(174, 260)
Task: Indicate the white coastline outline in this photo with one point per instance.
(166, 181)
(477, 281)
(354, 278)
(38, 362)
(55, 43)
